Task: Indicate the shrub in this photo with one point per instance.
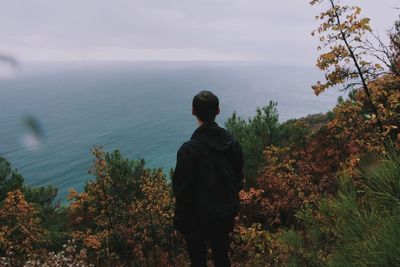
(360, 227)
(124, 216)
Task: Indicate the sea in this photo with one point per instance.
(53, 113)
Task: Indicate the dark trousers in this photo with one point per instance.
(197, 248)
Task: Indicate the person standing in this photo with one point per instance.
(206, 184)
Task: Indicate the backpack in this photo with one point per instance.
(216, 191)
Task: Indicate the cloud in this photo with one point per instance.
(273, 31)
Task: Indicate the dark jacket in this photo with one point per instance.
(187, 180)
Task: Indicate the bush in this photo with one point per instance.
(254, 135)
(124, 216)
(261, 131)
(360, 227)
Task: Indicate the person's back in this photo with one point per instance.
(206, 182)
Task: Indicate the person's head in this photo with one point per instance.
(205, 106)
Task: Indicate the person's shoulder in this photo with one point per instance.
(188, 151)
(230, 135)
(235, 143)
(186, 147)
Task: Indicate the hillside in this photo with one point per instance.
(323, 190)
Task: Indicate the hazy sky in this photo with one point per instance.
(277, 32)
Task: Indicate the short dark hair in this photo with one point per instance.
(205, 106)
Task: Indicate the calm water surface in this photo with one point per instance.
(142, 109)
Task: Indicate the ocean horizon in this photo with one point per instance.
(141, 108)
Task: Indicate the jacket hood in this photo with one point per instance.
(213, 136)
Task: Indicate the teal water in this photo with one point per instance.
(143, 109)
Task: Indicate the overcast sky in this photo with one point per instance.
(277, 32)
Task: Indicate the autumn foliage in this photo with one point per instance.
(312, 183)
(21, 234)
(124, 216)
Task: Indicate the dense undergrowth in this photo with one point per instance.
(320, 191)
